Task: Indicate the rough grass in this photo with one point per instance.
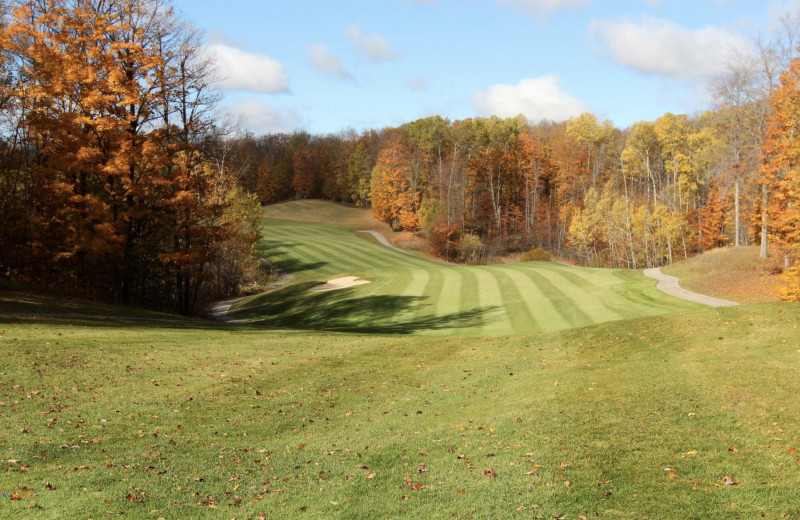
(732, 273)
(636, 419)
(32, 303)
(411, 295)
(324, 212)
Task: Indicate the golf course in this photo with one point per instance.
(412, 295)
(532, 390)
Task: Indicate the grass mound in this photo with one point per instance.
(637, 419)
(732, 273)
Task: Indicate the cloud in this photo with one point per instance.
(542, 9)
(374, 46)
(247, 71)
(325, 62)
(536, 98)
(417, 83)
(260, 118)
(664, 48)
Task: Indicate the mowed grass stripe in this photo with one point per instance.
(596, 295)
(490, 295)
(522, 316)
(409, 294)
(548, 316)
(448, 300)
(566, 305)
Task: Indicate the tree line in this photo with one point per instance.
(108, 183)
(643, 196)
(117, 183)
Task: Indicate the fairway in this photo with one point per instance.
(413, 295)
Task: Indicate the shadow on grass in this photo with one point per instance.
(342, 311)
(277, 254)
(96, 321)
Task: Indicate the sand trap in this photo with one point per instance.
(339, 283)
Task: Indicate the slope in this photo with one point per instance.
(409, 294)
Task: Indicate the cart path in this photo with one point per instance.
(670, 285)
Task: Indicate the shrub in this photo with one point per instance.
(536, 255)
(470, 249)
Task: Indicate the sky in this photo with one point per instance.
(326, 66)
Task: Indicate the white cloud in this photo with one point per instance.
(664, 48)
(535, 98)
(542, 9)
(417, 83)
(325, 62)
(247, 71)
(374, 46)
(260, 118)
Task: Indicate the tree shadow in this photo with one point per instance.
(277, 254)
(343, 311)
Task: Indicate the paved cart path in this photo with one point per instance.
(670, 285)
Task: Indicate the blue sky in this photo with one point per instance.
(329, 65)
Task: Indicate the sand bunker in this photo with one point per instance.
(339, 283)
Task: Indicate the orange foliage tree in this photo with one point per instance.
(780, 173)
(113, 93)
(393, 199)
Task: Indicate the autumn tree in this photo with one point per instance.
(394, 201)
(359, 176)
(114, 93)
(781, 170)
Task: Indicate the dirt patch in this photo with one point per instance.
(339, 283)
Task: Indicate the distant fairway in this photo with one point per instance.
(409, 294)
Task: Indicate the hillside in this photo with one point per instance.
(731, 273)
(412, 295)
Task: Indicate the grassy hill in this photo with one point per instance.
(732, 273)
(409, 294)
(671, 416)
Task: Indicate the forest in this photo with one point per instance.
(118, 183)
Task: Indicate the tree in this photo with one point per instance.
(359, 175)
(393, 200)
(114, 93)
(781, 165)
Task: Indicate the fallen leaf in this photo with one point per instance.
(791, 450)
(490, 473)
(672, 474)
(729, 481)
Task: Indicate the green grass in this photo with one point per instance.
(629, 417)
(412, 295)
(99, 418)
(32, 303)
